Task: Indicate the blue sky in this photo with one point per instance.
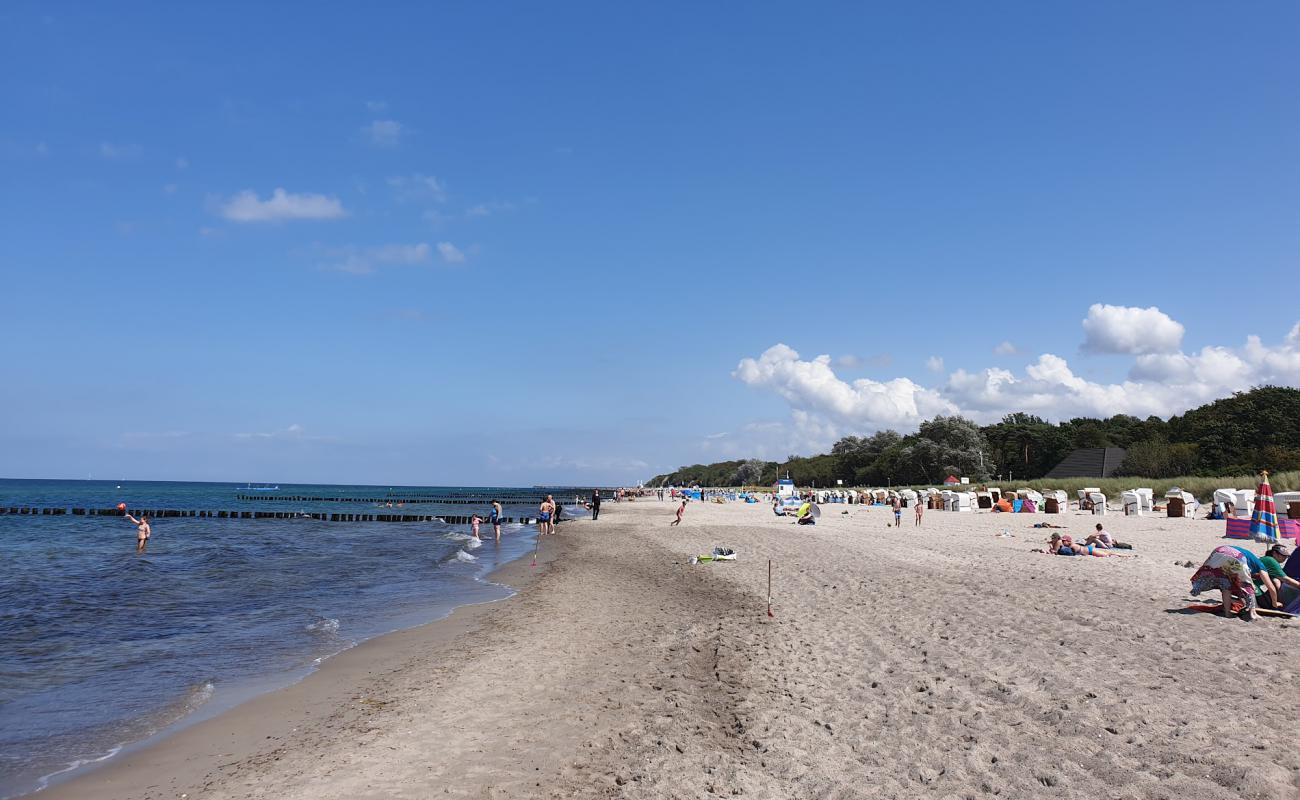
(516, 243)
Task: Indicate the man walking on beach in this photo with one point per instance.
(680, 510)
(897, 503)
(595, 505)
(920, 510)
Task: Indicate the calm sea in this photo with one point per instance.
(101, 649)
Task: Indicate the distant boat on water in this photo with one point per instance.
(263, 488)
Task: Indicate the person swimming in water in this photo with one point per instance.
(142, 531)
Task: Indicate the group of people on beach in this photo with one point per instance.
(1252, 581)
(495, 518)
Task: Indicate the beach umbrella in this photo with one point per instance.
(1263, 522)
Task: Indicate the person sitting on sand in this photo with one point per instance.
(680, 511)
(1101, 538)
(805, 515)
(1231, 570)
(1288, 588)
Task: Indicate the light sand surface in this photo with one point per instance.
(939, 662)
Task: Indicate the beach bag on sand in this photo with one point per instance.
(1123, 546)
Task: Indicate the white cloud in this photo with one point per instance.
(822, 403)
(487, 209)
(934, 364)
(385, 132)
(280, 206)
(363, 261)
(417, 187)
(294, 432)
(118, 151)
(849, 361)
(450, 253)
(823, 406)
(1005, 349)
(1130, 330)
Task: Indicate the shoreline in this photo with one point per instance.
(944, 660)
(195, 750)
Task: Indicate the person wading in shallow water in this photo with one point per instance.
(496, 517)
(142, 531)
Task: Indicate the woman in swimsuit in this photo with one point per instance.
(142, 531)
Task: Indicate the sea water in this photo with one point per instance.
(101, 648)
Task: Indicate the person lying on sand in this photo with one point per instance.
(1060, 545)
(1048, 525)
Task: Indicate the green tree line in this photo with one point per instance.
(1237, 435)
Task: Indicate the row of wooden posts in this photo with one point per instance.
(317, 515)
(450, 501)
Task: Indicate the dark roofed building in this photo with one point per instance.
(1089, 462)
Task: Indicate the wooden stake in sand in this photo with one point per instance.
(537, 549)
(769, 588)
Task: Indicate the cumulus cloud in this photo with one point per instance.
(281, 205)
(934, 364)
(384, 132)
(450, 253)
(417, 187)
(1130, 330)
(115, 152)
(1005, 349)
(824, 406)
(821, 401)
(363, 261)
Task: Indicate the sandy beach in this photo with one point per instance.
(938, 661)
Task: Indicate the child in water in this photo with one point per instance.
(473, 524)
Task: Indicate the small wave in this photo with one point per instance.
(474, 544)
(461, 555)
(43, 782)
(198, 695)
(324, 626)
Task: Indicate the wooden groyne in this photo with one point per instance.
(324, 516)
(472, 501)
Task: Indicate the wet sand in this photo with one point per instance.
(942, 661)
